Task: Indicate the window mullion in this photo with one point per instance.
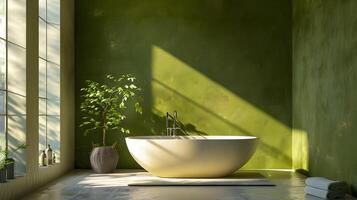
(6, 77)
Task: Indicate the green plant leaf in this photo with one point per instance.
(103, 104)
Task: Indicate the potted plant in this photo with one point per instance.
(10, 167)
(104, 106)
(7, 165)
(3, 163)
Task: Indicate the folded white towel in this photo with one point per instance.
(323, 193)
(326, 184)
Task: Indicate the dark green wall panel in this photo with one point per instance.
(324, 85)
(224, 65)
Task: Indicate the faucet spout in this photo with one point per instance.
(171, 131)
(175, 123)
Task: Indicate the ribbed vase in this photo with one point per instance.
(104, 159)
(3, 175)
(10, 169)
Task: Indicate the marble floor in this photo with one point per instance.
(85, 185)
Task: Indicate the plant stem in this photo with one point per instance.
(103, 136)
(104, 130)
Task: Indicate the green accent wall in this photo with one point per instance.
(225, 66)
(324, 86)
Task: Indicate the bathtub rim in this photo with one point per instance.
(193, 137)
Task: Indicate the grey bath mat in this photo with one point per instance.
(238, 179)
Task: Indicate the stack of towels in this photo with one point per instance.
(325, 188)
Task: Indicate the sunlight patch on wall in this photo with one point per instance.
(300, 146)
(214, 110)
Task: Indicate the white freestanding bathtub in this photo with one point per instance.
(191, 156)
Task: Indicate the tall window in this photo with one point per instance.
(13, 79)
(49, 75)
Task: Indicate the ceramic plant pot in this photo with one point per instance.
(104, 159)
(3, 175)
(10, 169)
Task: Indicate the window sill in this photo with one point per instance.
(49, 166)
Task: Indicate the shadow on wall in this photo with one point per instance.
(16, 137)
(16, 131)
(159, 121)
(226, 73)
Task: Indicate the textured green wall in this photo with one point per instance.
(225, 66)
(324, 85)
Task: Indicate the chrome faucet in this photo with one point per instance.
(171, 131)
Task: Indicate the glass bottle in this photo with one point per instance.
(54, 158)
(49, 155)
(43, 158)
